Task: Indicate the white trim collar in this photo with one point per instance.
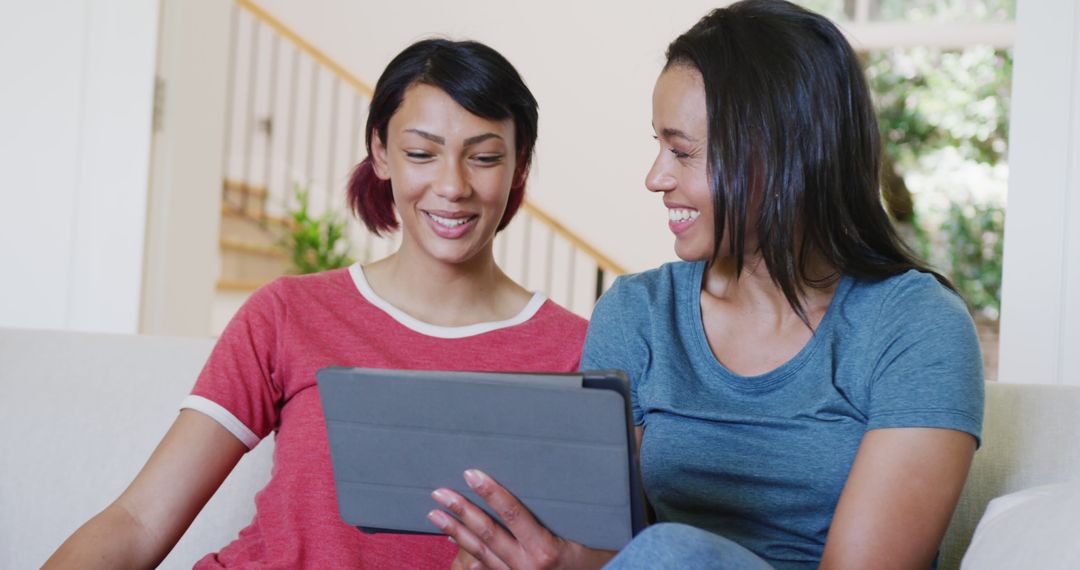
(438, 331)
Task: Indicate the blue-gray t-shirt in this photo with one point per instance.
(762, 459)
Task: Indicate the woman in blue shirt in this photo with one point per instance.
(807, 393)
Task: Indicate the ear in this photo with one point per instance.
(378, 156)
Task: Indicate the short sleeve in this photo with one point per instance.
(928, 371)
(238, 386)
(608, 345)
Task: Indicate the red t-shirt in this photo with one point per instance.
(260, 378)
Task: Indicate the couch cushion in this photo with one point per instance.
(1034, 528)
(80, 414)
(1029, 439)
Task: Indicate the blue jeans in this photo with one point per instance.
(676, 545)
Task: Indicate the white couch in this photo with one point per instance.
(80, 413)
(1030, 438)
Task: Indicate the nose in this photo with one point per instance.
(660, 178)
(452, 183)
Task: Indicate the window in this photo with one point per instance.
(940, 72)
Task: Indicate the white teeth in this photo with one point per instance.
(448, 222)
(682, 214)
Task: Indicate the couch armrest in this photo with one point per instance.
(1029, 439)
(81, 413)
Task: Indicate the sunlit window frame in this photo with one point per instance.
(866, 34)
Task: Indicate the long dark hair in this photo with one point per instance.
(792, 130)
(475, 76)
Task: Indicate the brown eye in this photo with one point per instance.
(489, 158)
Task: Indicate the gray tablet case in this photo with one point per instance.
(563, 443)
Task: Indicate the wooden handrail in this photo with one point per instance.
(305, 46)
(245, 188)
(602, 261)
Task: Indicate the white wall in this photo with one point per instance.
(1040, 326)
(590, 64)
(74, 152)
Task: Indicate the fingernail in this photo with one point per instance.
(474, 478)
(442, 497)
(451, 539)
(439, 519)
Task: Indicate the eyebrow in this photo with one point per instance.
(433, 138)
(676, 133)
(481, 138)
(440, 140)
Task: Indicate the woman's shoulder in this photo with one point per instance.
(912, 305)
(649, 286)
(296, 287)
(908, 295)
(557, 316)
(287, 294)
(332, 277)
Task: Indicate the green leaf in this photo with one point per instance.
(315, 243)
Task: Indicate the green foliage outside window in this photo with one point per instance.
(944, 123)
(315, 243)
(929, 100)
(975, 256)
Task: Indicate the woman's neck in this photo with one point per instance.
(446, 294)
(753, 290)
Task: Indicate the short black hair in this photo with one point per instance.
(792, 130)
(476, 77)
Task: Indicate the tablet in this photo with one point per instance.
(562, 443)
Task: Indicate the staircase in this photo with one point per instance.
(251, 242)
(251, 249)
(295, 118)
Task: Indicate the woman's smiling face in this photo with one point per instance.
(450, 171)
(679, 173)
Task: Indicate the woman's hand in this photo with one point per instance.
(523, 544)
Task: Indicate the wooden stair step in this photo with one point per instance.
(239, 285)
(253, 248)
(238, 187)
(238, 265)
(240, 196)
(257, 217)
(237, 227)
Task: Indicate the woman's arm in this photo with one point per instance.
(898, 499)
(140, 528)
